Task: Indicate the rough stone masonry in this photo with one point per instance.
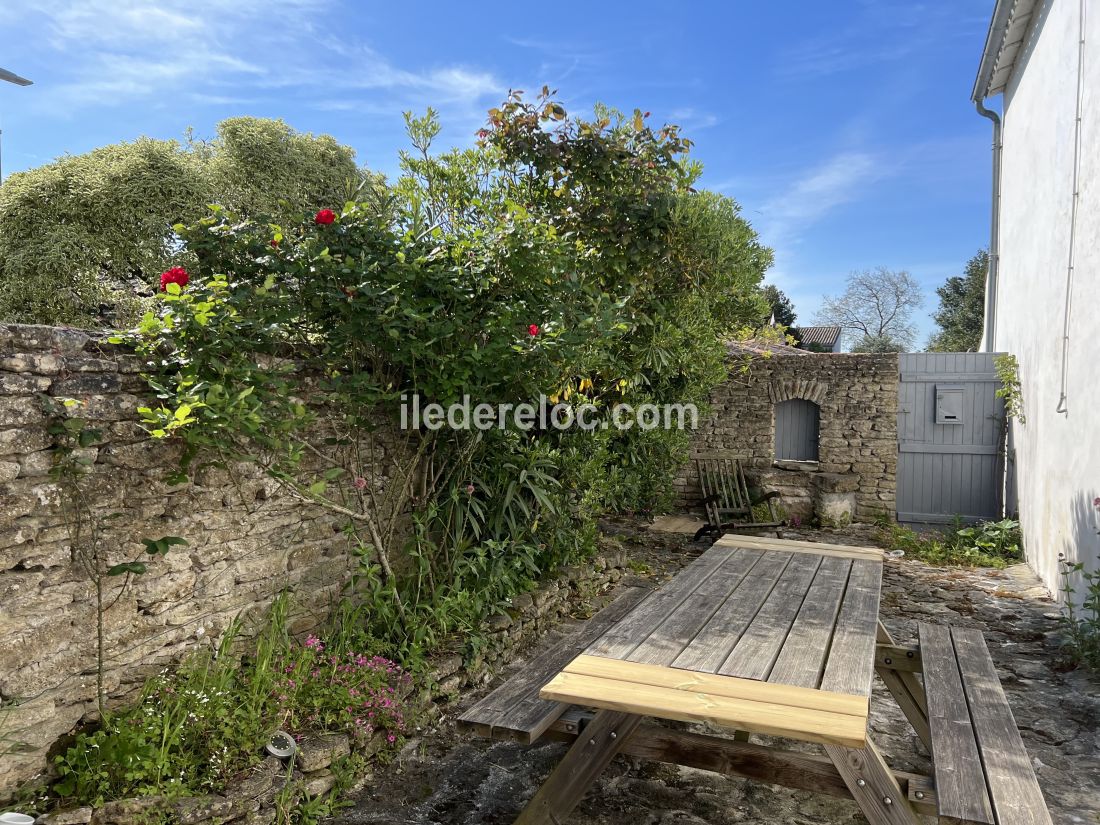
(247, 540)
(857, 395)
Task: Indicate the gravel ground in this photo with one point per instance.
(445, 777)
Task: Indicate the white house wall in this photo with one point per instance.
(1057, 453)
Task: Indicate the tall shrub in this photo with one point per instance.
(560, 256)
(83, 239)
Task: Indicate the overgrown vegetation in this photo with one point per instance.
(197, 727)
(83, 239)
(1008, 371)
(1082, 613)
(1081, 618)
(986, 544)
(564, 257)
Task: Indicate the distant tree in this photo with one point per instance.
(878, 343)
(877, 306)
(82, 239)
(780, 305)
(962, 308)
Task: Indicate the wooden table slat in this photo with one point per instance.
(664, 644)
(756, 651)
(625, 636)
(712, 645)
(690, 706)
(796, 546)
(515, 706)
(716, 685)
(960, 780)
(1015, 792)
(805, 651)
(850, 667)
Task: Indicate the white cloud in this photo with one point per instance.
(817, 192)
(118, 51)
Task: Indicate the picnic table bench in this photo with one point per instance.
(775, 637)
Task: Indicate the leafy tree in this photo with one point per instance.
(878, 306)
(82, 238)
(962, 308)
(780, 306)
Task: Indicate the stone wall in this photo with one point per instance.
(247, 541)
(251, 798)
(857, 395)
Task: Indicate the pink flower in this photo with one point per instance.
(313, 643)
(469, 489)
(360, 483)
(1096, 502)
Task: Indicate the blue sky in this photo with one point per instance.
(844, 128)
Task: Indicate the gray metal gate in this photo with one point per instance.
(950, 438)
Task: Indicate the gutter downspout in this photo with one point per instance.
(989, 327)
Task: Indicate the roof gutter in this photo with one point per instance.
(994, 41)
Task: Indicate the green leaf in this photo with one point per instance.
(135, 568)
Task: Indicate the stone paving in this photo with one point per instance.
(449, 778)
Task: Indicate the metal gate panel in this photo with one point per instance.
(950, 438)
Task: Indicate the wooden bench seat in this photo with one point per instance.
(514, 710)
(983, 773)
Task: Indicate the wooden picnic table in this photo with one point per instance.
(777, 637)
(758, 635)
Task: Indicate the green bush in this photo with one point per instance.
(986, 544)
(1081, 618)
(195, 728)
(83, 239)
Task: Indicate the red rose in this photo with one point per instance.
(533, 330)
(324, 217)
(175, 275)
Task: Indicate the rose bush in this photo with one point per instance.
(561, 256)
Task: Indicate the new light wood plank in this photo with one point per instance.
(850, 667)
(515, 706)
(712, 645)
(798, 546)
(960, 778)
(668, 640)
(1013, 787)
(621, 640)
(802, 659)
(728, 686)
(756, 651)
(691, 706)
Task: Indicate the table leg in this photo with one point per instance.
(581, 766)
(907, 691)
(873, 785)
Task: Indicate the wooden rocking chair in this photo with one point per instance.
(727, 499)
